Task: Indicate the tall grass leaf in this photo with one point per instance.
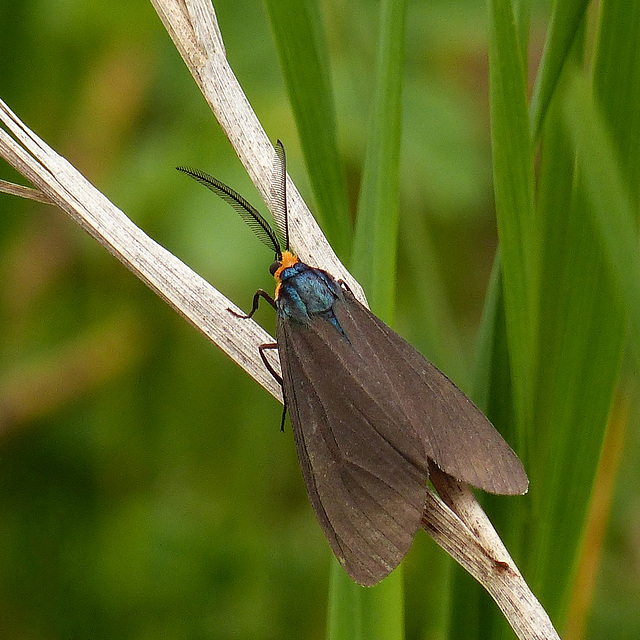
(616, 83)
(345, 606)
(566, 20)
(582, 339)
(591, 244)
(359, 613)
(375, 243)
(611, 202)
(513, 187)
(301, 43)
(592, 274)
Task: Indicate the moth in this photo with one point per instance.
(368, 411)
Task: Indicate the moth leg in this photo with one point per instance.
(260, 293)
(344, 285)
(261, 349)
(284, 415)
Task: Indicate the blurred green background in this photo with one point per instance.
(145, 488)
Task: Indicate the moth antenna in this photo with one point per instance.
(279, 192)
(245, 209)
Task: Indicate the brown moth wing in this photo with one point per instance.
(364, 467)
(456, 434)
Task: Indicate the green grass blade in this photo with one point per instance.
(375, 244)
(522, 16)
(345, 606)
(616, 83)
(359, 613)
(383, 608)
(611, 202)
(299, 36)
(582, 336)
(513, 186)
(566, 20)
(492, 362)
(580, 351)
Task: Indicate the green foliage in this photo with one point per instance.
(375, 243)
(299, 36)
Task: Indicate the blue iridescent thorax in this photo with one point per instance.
(305, 292)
